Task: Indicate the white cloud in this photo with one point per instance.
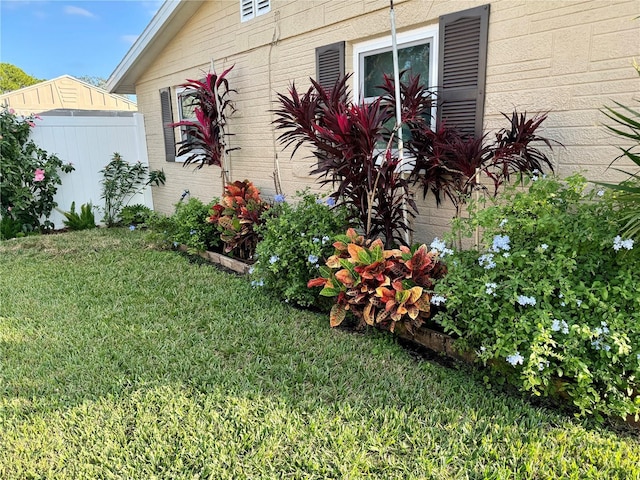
(71, 10)
(130, 39)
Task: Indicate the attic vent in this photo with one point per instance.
(329, 64)
(252, 8)
(463, 54)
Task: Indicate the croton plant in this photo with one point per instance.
(379, 287)
(236, 215)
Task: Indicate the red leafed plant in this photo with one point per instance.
(346, 137)
(379, 287)
(204, 142)
(236, 215)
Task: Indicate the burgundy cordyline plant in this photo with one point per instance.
(205, 142)
(445, 162)
(345, 136)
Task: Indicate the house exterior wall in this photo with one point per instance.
(63, 93)
(569, 58)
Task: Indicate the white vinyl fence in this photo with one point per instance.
(89, 140)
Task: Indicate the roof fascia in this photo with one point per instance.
(164, 25)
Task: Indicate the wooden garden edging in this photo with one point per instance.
(233, 264)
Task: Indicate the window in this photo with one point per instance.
(186, 107)
(253, 8)
(417, 52)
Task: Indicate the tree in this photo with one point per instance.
(14, 78)
(95, 81)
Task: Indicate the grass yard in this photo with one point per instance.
(119, 361)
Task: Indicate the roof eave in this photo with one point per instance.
(164, 25)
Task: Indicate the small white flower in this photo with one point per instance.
(274, 259)
(490, 288)
(325, 239)
(506, 254)
(438, 300)
(543, 365)
(544, 246)
(600, 193)
(316, 240)
(313, 259)
(515, 359)
(438, 244)
(500, 242)
(251, 269)
(524, 300)
(503, 222)
(578, 302)
(486, 261)
(619, 243)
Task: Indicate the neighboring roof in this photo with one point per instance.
(68, 112)
(165, 24)
(64, 92)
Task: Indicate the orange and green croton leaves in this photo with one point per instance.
(379, 287)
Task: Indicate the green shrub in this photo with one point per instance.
(29, 177)
(191, 228)
(554, 294)
(296, 238)
(135, 214)
(80, 221)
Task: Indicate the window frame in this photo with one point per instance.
(384, 44)
(410, 38)
(179, 95)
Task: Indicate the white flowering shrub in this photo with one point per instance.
(297, 237)
(552, 299)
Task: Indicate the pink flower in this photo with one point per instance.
(31, 124)
(39, 175)
(37, 116)
(12, 111)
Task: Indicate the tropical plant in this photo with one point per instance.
(237, 215)
(79, 221)
(551, 299)
(296, 237)
(205, 139)
(29, 177)
(345, 137)
(379, 287)
(120, 181)
(627, 126)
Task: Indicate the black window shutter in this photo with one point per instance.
(462, 69)
(167, 120)
(329, 64)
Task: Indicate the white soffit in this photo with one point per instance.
(164, 25)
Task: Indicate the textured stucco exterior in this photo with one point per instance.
(566, 57)
(64, 92)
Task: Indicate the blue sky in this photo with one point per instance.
(51, 38)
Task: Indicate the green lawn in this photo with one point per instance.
(119, 361)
